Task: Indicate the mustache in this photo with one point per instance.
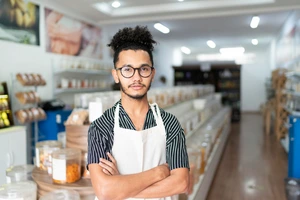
(134, 84)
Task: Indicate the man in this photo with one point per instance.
(136, 150)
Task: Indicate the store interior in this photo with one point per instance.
(228, 70)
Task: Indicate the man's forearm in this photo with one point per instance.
(122, 186)
(176, 183)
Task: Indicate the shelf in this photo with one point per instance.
(229, 79)
(202, 187)
(79, 90)
(292, 112)
(6, 111)
(83, 71)
(228, 89)
(293, 93)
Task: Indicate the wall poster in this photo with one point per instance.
(68, 36)
(19, 21)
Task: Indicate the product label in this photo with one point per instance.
(59, 169)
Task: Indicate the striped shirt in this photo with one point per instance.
(101, 136)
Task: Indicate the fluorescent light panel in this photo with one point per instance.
(162, 28)
(254, 41)
(232, 50)
(186, 50)
(211, 44)
(116, 4)
(254, 22)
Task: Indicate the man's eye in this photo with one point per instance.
(127, 69)
(145, 69)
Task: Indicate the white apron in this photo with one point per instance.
(138, 151)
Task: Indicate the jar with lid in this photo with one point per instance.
(61, 195)
(26, 190)
(19, 173)
(43, 153)
(66, 165)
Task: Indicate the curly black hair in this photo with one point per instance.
(128, 38)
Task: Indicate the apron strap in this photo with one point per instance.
(157, 114)
(117, 124)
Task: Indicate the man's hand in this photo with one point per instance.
(109, 168)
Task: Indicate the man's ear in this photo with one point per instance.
(115, 75)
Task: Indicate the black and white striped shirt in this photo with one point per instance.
(101, 136)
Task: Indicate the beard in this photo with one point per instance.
(136, 97)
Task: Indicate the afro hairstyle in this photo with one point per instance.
(128, 38)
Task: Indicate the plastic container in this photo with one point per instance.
(66, 166)
(19, 173)
(26, 190)
(43, 153)
(61, 195)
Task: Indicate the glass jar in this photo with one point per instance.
(26, 190)
(43, 151)
(19, 173)
(66, 165)
(61, 195)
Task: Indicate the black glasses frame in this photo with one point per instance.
(138, 69)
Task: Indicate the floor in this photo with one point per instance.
(253, 166)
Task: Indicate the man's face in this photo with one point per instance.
(136, 86)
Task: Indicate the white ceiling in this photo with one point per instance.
(194, 22)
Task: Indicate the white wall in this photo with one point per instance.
(254, 75)
(163, 58)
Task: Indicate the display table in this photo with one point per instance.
(45, 185)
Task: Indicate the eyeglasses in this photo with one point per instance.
(128, 71)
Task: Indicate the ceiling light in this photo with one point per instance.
(232, 51)
(116, 4)
(186, 50)
(162, 28)
(254, 22)
(180, 0)
(211, 44)
(254, 41)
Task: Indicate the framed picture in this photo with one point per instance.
(19, 22)
(68, 36)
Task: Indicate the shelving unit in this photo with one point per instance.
(75, 75)
(225, 78)
(201, 189)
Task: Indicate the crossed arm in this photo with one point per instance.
(157, 182)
